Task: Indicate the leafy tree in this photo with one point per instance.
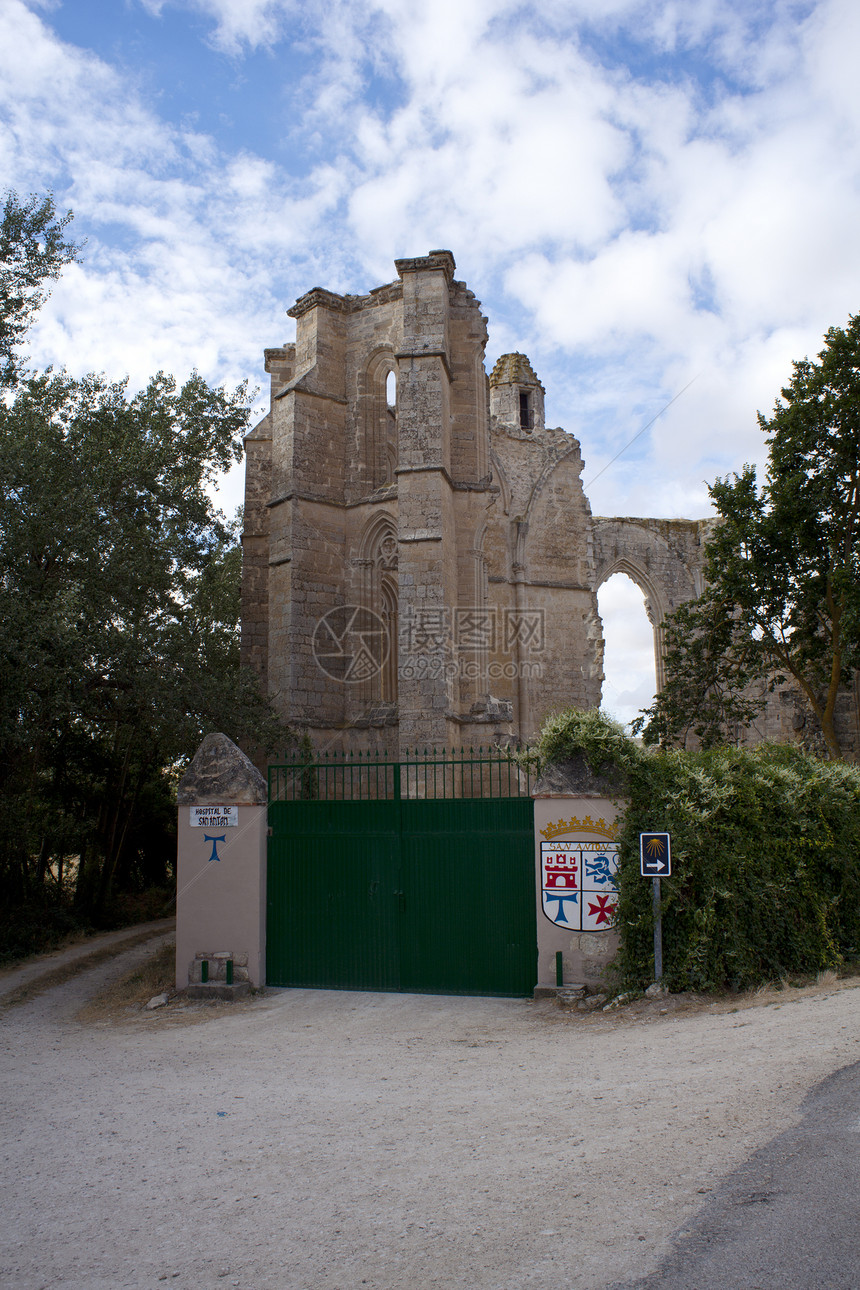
(33, 251)
(118, 620)
(783, 567)
(119, 604)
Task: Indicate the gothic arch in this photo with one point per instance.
(654, 599)
(654, 605)
(379, 593)
(663, 558)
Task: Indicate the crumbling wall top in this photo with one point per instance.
(426, 263)
(514, 369)
(314, 298)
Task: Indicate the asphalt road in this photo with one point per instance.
(788, 1218)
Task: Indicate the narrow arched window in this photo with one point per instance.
(390, 461)
(388, 606)
(378, 558)
(525, 410)
(378, 419)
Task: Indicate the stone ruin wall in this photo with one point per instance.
(454, 515)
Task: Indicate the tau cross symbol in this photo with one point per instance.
(210, 837)
(561, 897)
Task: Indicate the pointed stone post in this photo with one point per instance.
(221, 872)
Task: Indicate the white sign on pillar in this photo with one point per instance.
(214, 817)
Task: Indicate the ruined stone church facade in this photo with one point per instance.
(421, 564)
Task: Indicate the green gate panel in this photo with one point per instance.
(468, 880)
(333, 904)
(431, 896)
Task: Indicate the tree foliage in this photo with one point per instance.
(782, 567)
(590, 734)
(33, 251)
(119, 617)
(765, 867)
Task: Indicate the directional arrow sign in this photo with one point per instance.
(655, 856)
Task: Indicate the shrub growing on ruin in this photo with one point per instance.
(593, 735)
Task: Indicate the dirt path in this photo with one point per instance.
(45, 970)
(312, 1140)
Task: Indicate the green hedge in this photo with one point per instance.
(765, 867)
(765, 860)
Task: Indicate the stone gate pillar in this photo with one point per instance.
(577, 816)
(221, 872)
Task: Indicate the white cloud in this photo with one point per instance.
(629, 227)
(238, 24)
(831, 39)
(190, 282)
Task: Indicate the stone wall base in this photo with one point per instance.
(563, 992)
(218, 990)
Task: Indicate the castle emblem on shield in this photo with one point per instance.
(578, 884)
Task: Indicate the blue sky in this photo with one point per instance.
(639, 193)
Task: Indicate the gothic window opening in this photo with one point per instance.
(388, 606)
(378, 398)
(379, 595)
(629, 646)
(390, 427)
(525, 410)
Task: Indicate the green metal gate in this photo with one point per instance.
(414, 876)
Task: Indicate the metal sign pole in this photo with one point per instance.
(655, 862)
(658, 931)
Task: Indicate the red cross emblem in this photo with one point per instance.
(601, 911)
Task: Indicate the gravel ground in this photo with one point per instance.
(308, 1140)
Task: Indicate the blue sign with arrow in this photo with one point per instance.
(655, 856)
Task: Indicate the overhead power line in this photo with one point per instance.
(639, 433)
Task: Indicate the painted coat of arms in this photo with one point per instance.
(578, 884)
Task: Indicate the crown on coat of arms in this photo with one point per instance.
(585, 825)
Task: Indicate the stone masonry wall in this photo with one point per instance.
(421, 565)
